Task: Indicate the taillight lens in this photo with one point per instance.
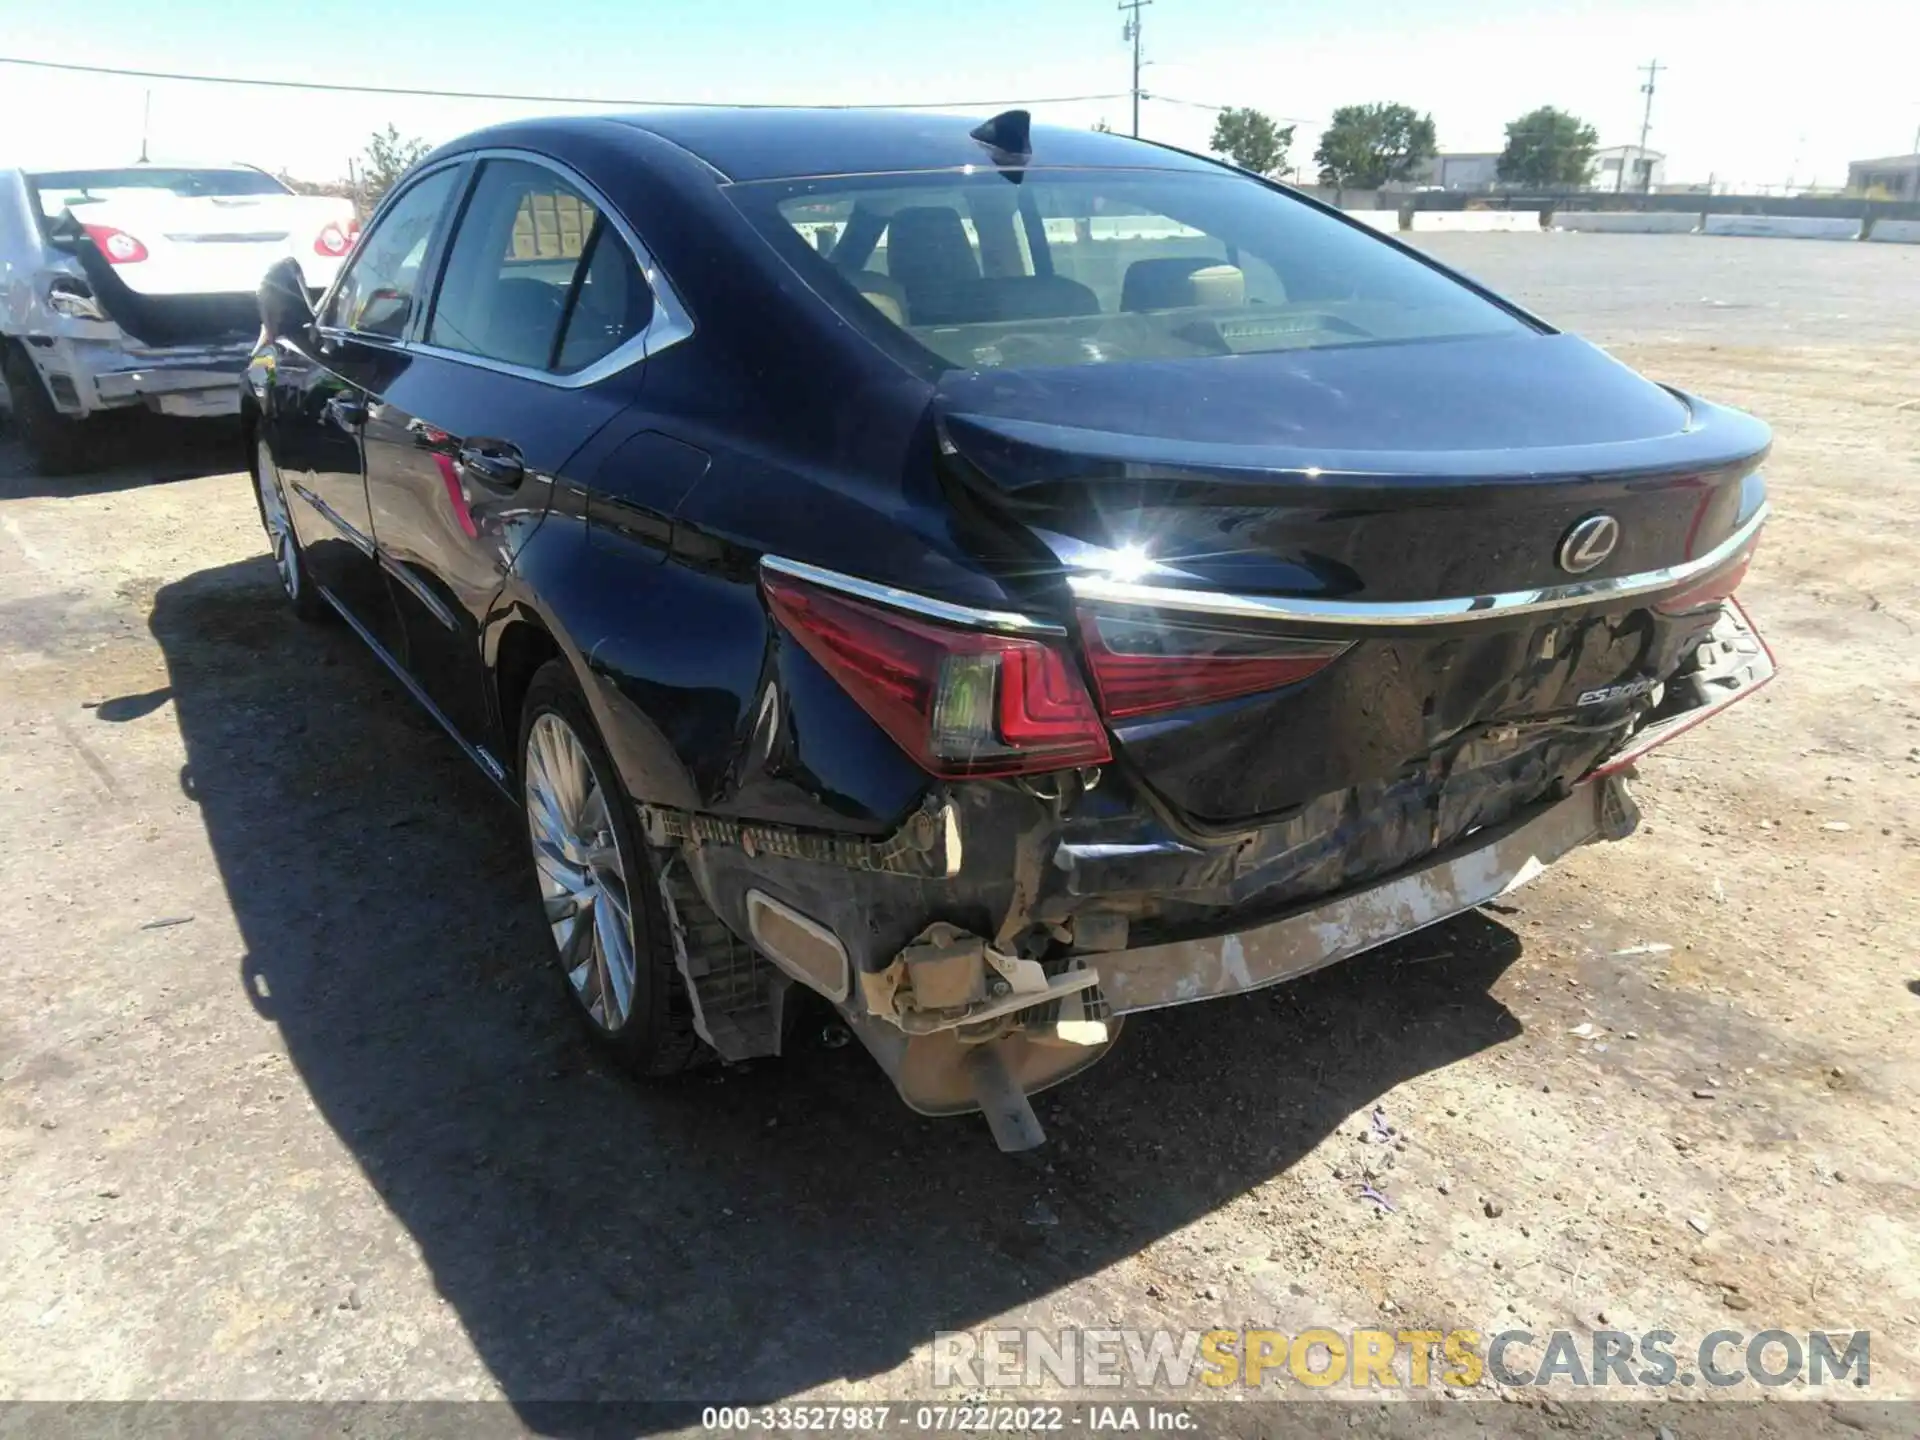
(1144, 665)
(337, 240)
(119, 247)
(960, 702)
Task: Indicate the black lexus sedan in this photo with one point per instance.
(1000, 578)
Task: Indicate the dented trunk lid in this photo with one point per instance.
(1356, 486)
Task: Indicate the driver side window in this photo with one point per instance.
(378, 294)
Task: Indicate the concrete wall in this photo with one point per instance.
(1849, 207)
(1797, 227)
(1896, 232)
(1350, 199)
(1627, 222)
(1378, 219)
(1481, 220)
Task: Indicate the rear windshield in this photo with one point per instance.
(60, 190)
(1085, 267)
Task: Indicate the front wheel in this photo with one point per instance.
(599, 890)
(288, 558)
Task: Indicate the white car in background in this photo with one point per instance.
(135, 286)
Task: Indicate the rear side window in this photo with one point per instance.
(536, 276)
(611, 303)
(381, 286)
(1089, 267)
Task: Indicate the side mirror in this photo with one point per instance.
(284, 307)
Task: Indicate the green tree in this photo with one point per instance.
(389, 155)
(1251, 140)
(1549, 147)
(1368, 145)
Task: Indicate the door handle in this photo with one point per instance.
(349, 412)
(493, 463)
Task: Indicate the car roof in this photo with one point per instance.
(778, 144)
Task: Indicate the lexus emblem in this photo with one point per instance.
(1588, 543)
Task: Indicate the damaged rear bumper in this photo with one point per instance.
(186, 381)
(1483, 867)
(86, 373)
(993, 945)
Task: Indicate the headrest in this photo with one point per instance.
(1178, 281)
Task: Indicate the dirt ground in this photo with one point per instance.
(290, 1107)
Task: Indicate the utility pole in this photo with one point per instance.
(1131, 31)
(1646, 123)
(146, 118)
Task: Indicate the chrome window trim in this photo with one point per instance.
(942, 610)
(670, 323)
(1417, 612)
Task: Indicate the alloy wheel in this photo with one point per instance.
(583, 876)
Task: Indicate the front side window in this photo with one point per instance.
(1086, 267)
(536, 276)
(381, 287)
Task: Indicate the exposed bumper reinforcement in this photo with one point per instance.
(1483, 867)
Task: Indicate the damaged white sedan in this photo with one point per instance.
(134, 286)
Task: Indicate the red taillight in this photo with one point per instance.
(1145, 665)
(336, 240)
(119, 247)
(960, 702)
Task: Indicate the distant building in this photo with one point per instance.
(1627, 169)
(1893, 177)
(1467, 171)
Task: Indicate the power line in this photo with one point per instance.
(1192, 104)
(1155, 95)
(553, 99)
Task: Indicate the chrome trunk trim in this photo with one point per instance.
(942, 610)
(1309, 610)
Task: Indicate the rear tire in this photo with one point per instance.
(57, 444)
(598, 886)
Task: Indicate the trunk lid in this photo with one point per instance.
(1342, 493)
(214, 244)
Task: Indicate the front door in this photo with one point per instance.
(314, 429)
(539, 298)
(322, 387)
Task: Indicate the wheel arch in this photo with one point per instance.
(522, 644)
(524, 635)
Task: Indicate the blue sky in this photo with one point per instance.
(1759, 91)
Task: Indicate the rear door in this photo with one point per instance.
(541, 304)
(321, 392)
